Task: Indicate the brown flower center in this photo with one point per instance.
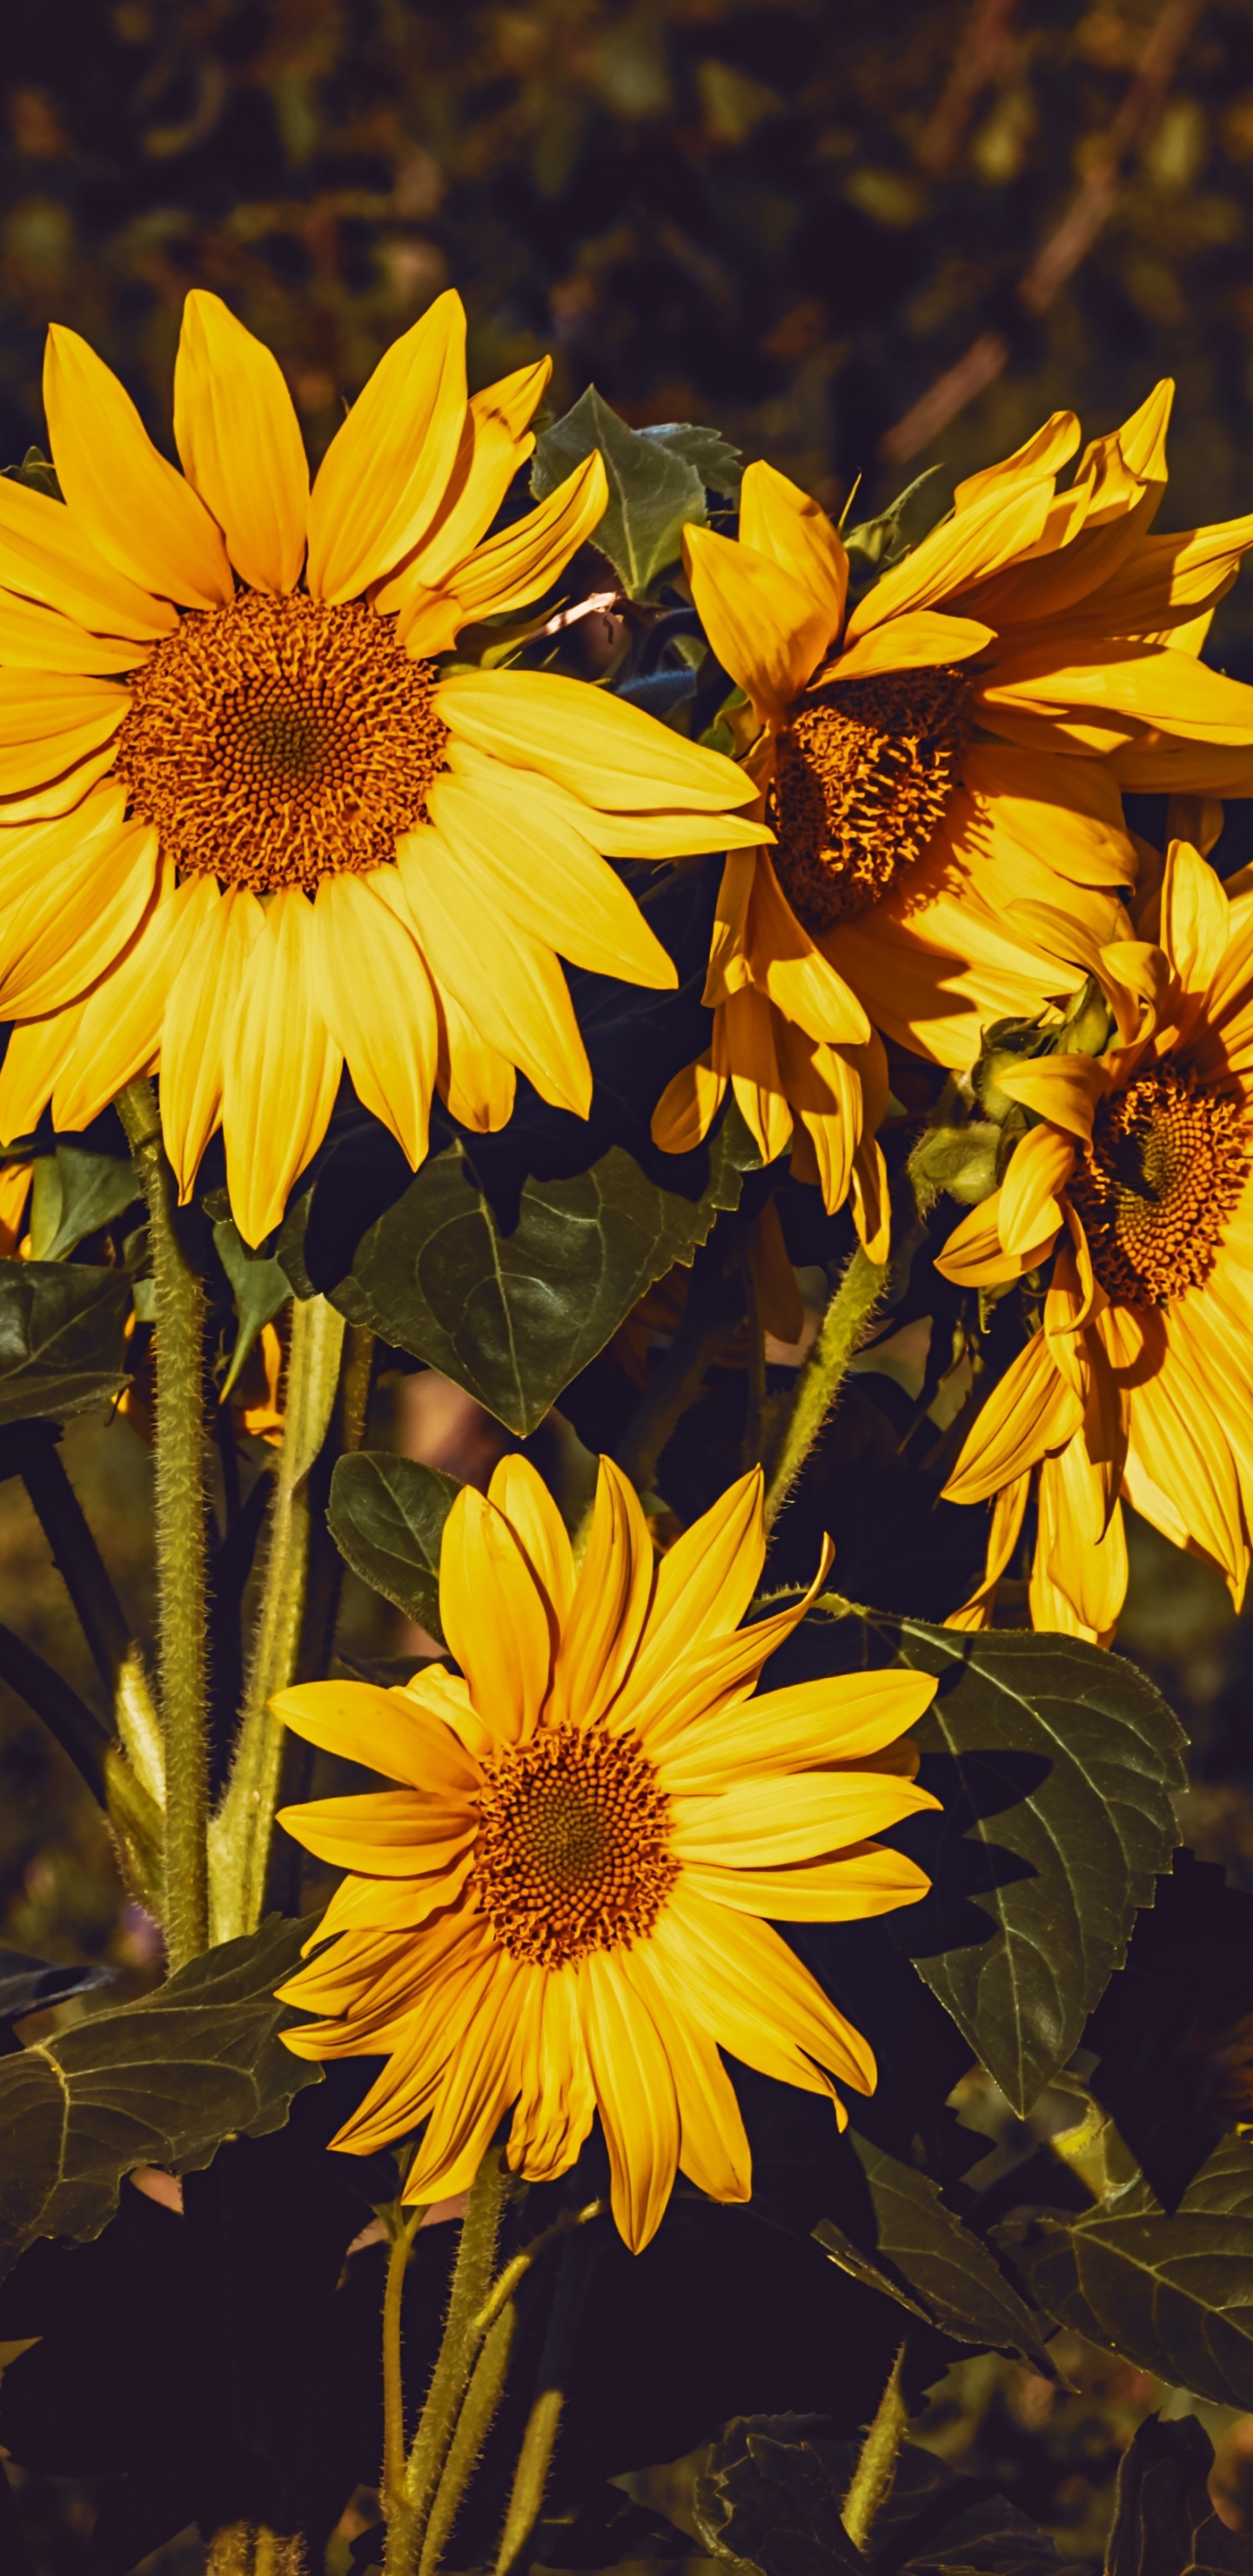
(1167, 1163)
(279, 741)
(573, 1853)
(865, 771)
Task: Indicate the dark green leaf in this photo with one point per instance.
(161, 2081)
(512, 1317)
(62, 1338)
(73, 1193)
(1055, 1764)
(38, 473)
(259, 1289)
(1164, 2523)
(33, 1985)
(953, 2281)
(387, 1516)
(1171, 2292)
(653, 488)
(772, 2492)
(719, 465)
(879, 541)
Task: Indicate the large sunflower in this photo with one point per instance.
(1138, 1178)
(953, 751)
(561, 1910)
(249, 830)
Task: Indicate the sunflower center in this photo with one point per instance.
(573, 1852)
(1167, 1162)
(865, 771)
(279, 741)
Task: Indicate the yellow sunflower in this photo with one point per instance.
(954, 750)
(565, 1908)
(1138, 1179)
(250, 831)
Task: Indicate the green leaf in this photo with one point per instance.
(62, 1338)
(879, 540)
(770, 2496)
(512, 1317)
(386, 1516)
(259, 1288)
(1164, 2522)
(73, 1193)
(1172, 2291)
(1055, 1763)
(162, 2081)
(953, 2282)
(38, 473)
(719, 465)
(653, 488)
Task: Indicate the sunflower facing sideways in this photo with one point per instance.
(249, 830)
(1138, 1179)
(943, 769)
(566, 1906)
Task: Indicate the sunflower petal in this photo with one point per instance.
(120, 1031)
(236, 431)
(713, 2145)
(557, 2102)
(837, 1719)
(282, 1072)
(385, 472)
(509, 985)
(1030, 1411)
(635, 2095)
(518, 1490)
(495, 1617)
(754, 1997)
(138, 511)
(375, 996)
(545, 875)
(523, 560)
(867, 1880)
(600, 747)
(778, 519)
(45, 556)
(384, 1729)
(609, 1604)
(199, 1023)
(762, 1823)
(768, 625)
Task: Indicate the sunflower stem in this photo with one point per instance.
(474, 2423)
(876, 2464)
(403, 2225)
(471, 2281)
(239, 1837)
(530, 2477)
(840, 1336)
(182, 1535)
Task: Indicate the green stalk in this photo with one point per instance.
(471, 2282)
(474, 2423)
(404, 2225)
(530, 2477)
(182, 1535)
(876, 2465)
(840, 1336)
(240, 1834)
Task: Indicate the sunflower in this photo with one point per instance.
(1137, 1177)
(251, 830)
(563, 1908)
(953, 750)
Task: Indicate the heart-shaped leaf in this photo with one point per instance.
(62, 1338)
(387, 1516)
(73, 1193)
(656, 484)
(260, 1288)
(161, 2081)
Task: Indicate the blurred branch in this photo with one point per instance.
(29, 1450)
(984, 48)
(77, 1730)
(1068, 246)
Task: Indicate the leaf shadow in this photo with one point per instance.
(962, 1864)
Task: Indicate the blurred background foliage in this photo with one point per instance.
(863, 237)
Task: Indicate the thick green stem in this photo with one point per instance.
(876, 2465)
(474, 2423)
(530, 2477)
(840, 1336)
(404, 2225)
(471, 2282)
(241, 1830)
(182, 1535)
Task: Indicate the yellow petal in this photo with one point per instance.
(120, 1030)
(33, 638)
(519, 855)
(779, 520)
(142, 516)
(1065, 1089)
(238, 436)
(839, 1719)
(523, 560)
(281, 1069)
(34, 1060)
(1008, 1514)
(518, 1490)
(49, 719)
(46, 556)
(609, 1607)
(1147, 682)
(745, 1045)
(476, 1082)
(509, 985)
(996, 529)
(974, 1256)
(635, 2096)
(1040, 1166)
(557, 2102)
(495, 441)
(63, 936)
(600, 747)
(713, 2145)
(705, 1581)
(1029, 1411)
(688, 1107)
(383, 1729)
(762, 1823)
(481, 2082)
(740, 1979)
(386, 470)
(868, 1881)
(375, 996)
(1045, 452)
(713, 1674)
(62, 794)
(385, 1833)
(1196, 917)
(768, 627)
(785, 962)
(199, 1025)
(494, 1617)
(912, 642)
(15, 1181)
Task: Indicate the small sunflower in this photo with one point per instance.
(1138, 1179)
(566, 1907)
(250, 831)
(955, 749)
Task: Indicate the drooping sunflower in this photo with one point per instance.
(250, 830)
(943, 768)
(566, 1906)
(1137, 1179)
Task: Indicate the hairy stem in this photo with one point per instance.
(474, 2423)
(840, 1336)
(876, 2465)
(471, 2281)
(241, 1830)
(182, 1535)
(530, 2477)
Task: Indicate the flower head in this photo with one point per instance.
(1136, 1178)
(252, 829)
(567, 1907)
(943, 767)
